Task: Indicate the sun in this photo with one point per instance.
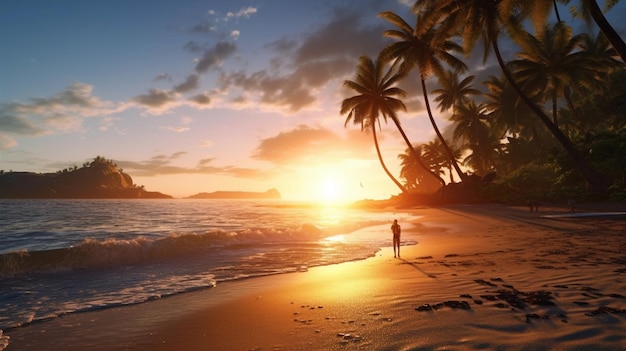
(330, 191)
(328, 188)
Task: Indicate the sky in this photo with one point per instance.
(194, 96)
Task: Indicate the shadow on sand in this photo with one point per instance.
(412, 264)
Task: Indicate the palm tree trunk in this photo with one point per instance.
(555, 110)
(606, 28)
(440, 136)
(382, 163)
(414, 153)
(595, 180)
(556, 11)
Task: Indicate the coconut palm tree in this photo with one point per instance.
(587, 10)
(599, 49)
(484, 153)
(375, 97)
(410, 170)
(414, 175)
(485, 20)
(552, 65)
(435, 153)
(423, 48)
(470, 122)
(508, 115)
(452, 92)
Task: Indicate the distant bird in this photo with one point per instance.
(361, 184)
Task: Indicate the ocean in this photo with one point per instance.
(67, 256)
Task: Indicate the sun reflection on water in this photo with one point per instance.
(334, 239)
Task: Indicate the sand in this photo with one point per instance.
(482, 277)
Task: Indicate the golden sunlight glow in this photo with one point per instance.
(335, 239)
(330, 189)
(332, 185)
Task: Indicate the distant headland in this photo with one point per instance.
(99, 179)
(269, 194)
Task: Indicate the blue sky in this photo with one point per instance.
(190, 96)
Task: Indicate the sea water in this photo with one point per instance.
(67, 256)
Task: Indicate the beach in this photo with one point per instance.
(484, 277)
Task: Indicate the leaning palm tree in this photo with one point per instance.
(422, 48)
(480, 19)
(375, 97)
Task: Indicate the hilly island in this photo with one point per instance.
(99, 179)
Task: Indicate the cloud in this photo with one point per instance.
(194, 47)
(305, 64)
(6, 142)
(305, 144)
(59, 113)
(201, 99)
(207, 143)
(177, 129)
(163, 76)
(157, 100)
(191, 83)
(204, 28)
(17, 123)
(214, 56)
(164, 165)
(182, 128)
(244, 12)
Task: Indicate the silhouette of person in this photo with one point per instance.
(395, 229)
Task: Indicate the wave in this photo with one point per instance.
(93, 253)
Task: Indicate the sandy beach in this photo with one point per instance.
(484, 277)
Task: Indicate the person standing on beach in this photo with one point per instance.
(395, 229)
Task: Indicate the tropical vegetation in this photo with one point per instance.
(551, 125)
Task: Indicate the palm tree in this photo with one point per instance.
(375, 97)
(480, 19)
(435, 152)
(590, 9)
(453, 92)
(484, 153)
(599, 49)
(470, 120)
(587, 10)
(507, 114)
(424, 48)
(551, 65)
(409, 170)
(414, 175)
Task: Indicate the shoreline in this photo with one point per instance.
(507, 258)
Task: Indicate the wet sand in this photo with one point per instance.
(482, 277)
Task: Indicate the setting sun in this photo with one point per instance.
(330, 191)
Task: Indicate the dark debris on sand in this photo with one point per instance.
(506, 296)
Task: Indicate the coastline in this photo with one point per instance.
(529, 282)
